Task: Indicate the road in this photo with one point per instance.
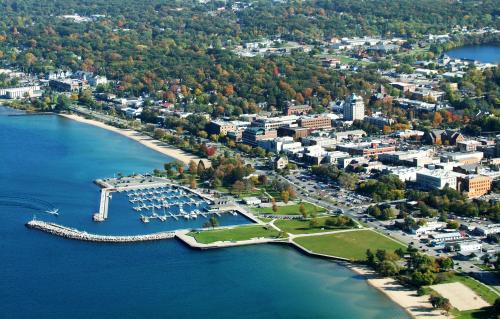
(340, 200)
(310, 193)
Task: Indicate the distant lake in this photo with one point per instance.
(486, 53)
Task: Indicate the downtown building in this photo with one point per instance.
(354, 108)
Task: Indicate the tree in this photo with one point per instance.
(348, 181)
(63, 103)
(211, 223)
(159, 133)
(200, 168)
(275, 208)
(193, 168)
(217, 182)
(302, 209)
(238, 187)
(453, 224)
(388, 268)
(440, 302)
(167, 166)
(179, 166)
(437, 119)
(314, 223)
(192, 184)
(419, 278)
(370, 257)
(285, 196)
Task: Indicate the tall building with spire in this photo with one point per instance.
(354, 108)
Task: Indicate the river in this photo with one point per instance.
(52, 161)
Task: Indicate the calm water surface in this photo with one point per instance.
(487, 53)
(47, 160)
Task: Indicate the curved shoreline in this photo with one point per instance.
(145, 140)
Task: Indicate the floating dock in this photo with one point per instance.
(139, 182)
(71, 233)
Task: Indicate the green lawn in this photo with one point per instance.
(351, 245)
(290, 209)
(486, 313)
(250, 193)
(298, 226)
(233, 234)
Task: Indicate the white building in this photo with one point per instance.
(350, 135)
(437, 178)
(464, 158)
(273, 123)
(334, 157)
(280, 144)
(409, 134)
(21, 92)
(488, 229)
(98, 80)
(251, 201)
(441, 237)
(404, 157)
(354, 108)
(427, 228)
(322, 141)
(405, 174)
(469, 246)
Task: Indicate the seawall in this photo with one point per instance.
(71, 233)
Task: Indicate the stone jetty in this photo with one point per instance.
(72, 233)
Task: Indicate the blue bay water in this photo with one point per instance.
(486, 53)
(54, 160)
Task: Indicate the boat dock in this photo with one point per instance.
(134, 184)
(71, 233)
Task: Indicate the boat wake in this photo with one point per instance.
(31, 203)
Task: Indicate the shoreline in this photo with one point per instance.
(145, 140)
(415, 306)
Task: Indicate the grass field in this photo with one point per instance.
(234, 234)
(351, 245)
(290, 209)
(473, 314)
(297, 226)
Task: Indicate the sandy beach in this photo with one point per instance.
(145, 140)
(416, 306)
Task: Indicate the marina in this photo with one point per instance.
(82, 279)
(159, 199)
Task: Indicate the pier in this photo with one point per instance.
(136, 183)
(71, 233)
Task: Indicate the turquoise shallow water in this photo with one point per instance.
(54, 160)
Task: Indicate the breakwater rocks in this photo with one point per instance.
(72, 233)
